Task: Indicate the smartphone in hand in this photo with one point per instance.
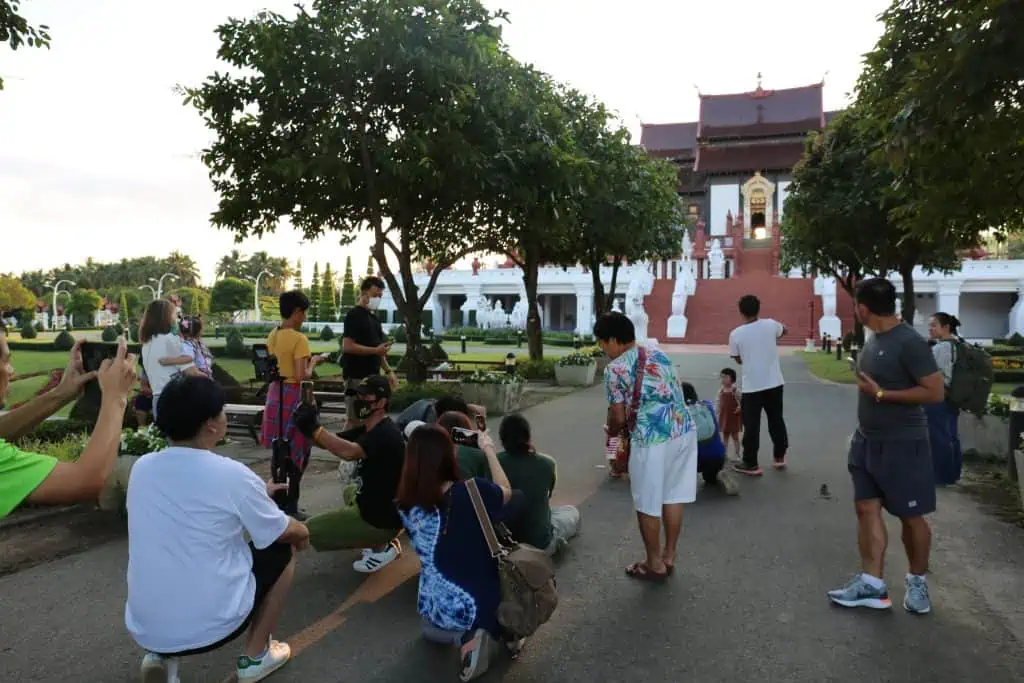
(853, 364)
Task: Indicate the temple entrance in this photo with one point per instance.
(758, 196)
(758, 205)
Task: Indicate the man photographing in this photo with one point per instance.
(364, 347)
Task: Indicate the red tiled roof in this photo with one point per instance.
(669, 139)
(762, 112)
(753, 157)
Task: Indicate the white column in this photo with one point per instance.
(1017, 312)
(584, 307)
(829, 322)
(948, 299)
(542, 306)
(434, 306)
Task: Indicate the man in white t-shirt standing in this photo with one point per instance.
(754, 346)
(194, 583)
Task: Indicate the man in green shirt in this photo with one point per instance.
(535, 474)
(41, 479)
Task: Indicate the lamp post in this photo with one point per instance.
(151, 290)
(256, 292)
(160, 283)
(56, 291)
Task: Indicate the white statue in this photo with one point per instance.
(686, 285)
(829, 322)
(498, 317)
(687, 246)
(483, 312)
(717, 259)
(635, 308)
(616, 306)
(519, 314)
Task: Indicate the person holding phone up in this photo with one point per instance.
(364, 347)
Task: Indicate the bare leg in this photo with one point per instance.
(672, 519)
(872, 538)
(650, 532)
(917, 540)
(265, 620)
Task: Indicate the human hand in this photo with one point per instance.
(116, 375)
(302, 543)
(393, 381)
(867, 385)
(274, 488)
(306, 420)
(382, 350)
(75, 377)
(485, 442)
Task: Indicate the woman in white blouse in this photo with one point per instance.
(163, 355)
(943, 418)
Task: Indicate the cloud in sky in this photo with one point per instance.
(99, 158)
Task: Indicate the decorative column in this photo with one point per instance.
(829, 322)
(948, 297)
(1017, 312)
(717, 259)
(434, 306)
(584, 307)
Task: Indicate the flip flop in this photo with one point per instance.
(641, 572)
(669, 568)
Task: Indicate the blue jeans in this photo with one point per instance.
(944, 435)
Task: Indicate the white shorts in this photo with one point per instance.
(664, 474)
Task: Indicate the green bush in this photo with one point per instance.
(109, 334)
(326, 334)
(1016, 340)
(28, 331)
(400, 335)
(119, 329)
(55, 431)
(64, 341)
(543, 369)
(66, 449)
(407, 394)
(235, 346)
(133, 330)
(39, 326)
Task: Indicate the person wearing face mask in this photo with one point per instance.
(368, 518)
(364, 348)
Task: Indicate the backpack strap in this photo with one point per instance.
(483, 518)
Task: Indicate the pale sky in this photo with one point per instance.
(98, 157)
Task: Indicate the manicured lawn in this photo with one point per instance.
(22, 390)
(27, 362)
(825, 366)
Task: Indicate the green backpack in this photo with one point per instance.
(703, 420)
(972, 378)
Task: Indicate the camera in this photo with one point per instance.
(94, 354)
(465, 437)
(264, 363)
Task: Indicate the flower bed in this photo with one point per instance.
(575, 370)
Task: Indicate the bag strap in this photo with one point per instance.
(485, 520)
(641, 363)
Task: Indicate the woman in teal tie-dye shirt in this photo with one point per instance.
(663, 459)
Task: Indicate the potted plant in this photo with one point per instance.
(135, 443)
(575, 370)
(500, 392)
(599, 356)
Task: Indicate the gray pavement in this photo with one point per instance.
(747, 601)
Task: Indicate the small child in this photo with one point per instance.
(730, 419)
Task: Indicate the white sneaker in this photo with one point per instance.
(372, 562)
(250, 670)
(158, 669)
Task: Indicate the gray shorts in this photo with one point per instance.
(898, 472)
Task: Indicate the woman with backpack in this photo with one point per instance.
(943, 418)
(710, 447)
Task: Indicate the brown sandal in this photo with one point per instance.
(641, 572)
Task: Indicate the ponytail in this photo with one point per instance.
(947, 320)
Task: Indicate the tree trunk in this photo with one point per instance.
(415, 359)
(533, 323)
(616, 263)
(909, 299)
(601, 304)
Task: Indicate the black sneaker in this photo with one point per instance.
(749, 470)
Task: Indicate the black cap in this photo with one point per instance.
(374, 385)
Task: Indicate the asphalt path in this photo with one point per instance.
(747, 601)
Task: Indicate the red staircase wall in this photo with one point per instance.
(712, 312)
(658, 305)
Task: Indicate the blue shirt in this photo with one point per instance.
(459, 585)
(713, 449)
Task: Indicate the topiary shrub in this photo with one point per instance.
(543, 369)
(400, 335)
(326, 334)
(119, 329)
(235, 347)
(1015, 340)
(109, 334)
(64, 341)
(437, 352)
(28, 331)
(38, 326)
(133, 330)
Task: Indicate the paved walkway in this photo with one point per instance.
(747, 601)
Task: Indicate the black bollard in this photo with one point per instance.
(1016, 427)
(463, 340)
(576, 343)
(510, 363)
(519, 339)
(839, 351)
(853, 352)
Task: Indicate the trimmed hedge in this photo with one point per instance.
(109, 334)
(53, 431)
(28, 331)
(65, 341)
(407, 394)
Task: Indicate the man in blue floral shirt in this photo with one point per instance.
(663, 459)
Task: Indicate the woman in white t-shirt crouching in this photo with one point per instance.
(163, 355)
(194, 584)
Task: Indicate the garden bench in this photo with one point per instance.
(330, 402)
(244, 418)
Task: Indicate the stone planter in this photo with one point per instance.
(113, 496)
(497, 398)
(988, 434)
(602, 363)
(575, 375)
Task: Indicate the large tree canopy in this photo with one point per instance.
(16, 31)
(944, 81)
(359, 116)
(245, 267)
(111, 278)
(14, 296)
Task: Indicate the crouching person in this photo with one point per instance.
(368, 518)
(548, 528)
(459, 590)
(194, 583)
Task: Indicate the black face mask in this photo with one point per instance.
(363, 407)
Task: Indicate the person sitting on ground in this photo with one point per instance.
(711, 449)
(471, 459)
(459, 587)
(542, 526)
(427, 410)
(194, 583)
(41, 479)
(368, 518)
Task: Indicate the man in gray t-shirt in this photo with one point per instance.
(890, 459)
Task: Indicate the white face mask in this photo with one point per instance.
(374, 303)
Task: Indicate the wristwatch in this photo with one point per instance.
(879, 395)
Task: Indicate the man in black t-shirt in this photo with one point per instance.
(368, 517)
(364, 347)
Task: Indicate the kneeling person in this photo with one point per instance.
(368, 518)
(194, 584)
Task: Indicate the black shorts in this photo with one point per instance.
(898, 472)
(267, 566)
